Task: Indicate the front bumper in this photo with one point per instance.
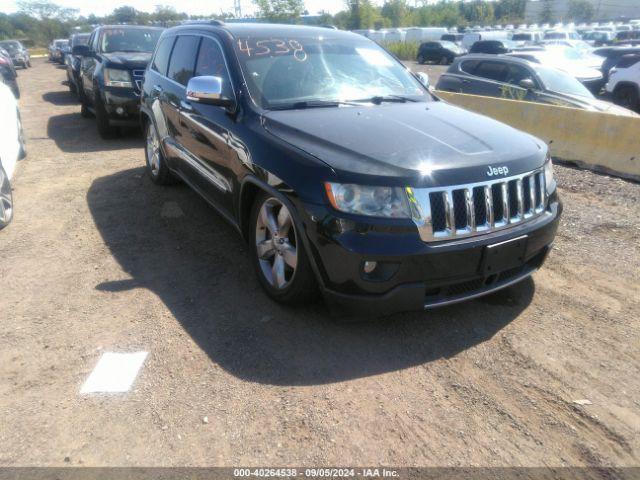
(122, 105)
(414, 275)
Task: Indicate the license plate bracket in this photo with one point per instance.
(503, 256)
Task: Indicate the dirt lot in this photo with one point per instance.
(99, 259)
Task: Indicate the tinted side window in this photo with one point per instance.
(183, 59)
(211, 63)
(469, 66)
(161, 58)
(492, 70)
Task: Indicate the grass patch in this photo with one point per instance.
(402, 50)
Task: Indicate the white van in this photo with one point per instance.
(377, 36)
(470, 38)
(424, 34)
(395, 35)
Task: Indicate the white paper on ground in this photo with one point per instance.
(115, 372)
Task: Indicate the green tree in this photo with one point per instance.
(396, 11)
(280, 11)
(580, 11)
(45, 10)
(547, 14)
(363, 14)
(124, 14)
(510, 11)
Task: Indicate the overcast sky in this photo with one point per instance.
(194, 7)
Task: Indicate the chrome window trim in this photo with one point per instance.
(421, 212)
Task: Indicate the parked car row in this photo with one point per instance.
(58, 49)
(18, 53)
(315, 144)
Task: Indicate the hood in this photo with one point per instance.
(432, 143)
(130, 60)
(612, 108)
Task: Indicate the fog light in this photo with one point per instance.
(120, 111)
(370, 266)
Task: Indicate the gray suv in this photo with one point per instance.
(510, 77)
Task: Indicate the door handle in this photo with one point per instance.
(186, 106)
(157, 89)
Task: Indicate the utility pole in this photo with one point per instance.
(237, 7)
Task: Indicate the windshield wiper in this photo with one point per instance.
(312, 104)
(390, 98)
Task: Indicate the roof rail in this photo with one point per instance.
(217, 23)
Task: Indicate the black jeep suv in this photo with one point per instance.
(111, 72)
(342, 171)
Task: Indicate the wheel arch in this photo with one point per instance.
(626, 84)
(250, 188)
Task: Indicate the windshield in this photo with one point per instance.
(61, 43)
(449, 45)
(80, 40)
(129, 40)
(559, 81)
(522, 36)
(285, 71)
(10, 47)
(555, 36)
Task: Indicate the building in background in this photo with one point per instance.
(604, 10)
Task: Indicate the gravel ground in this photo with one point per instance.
(99, 259)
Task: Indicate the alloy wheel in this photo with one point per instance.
(153, 151)
(276, 243)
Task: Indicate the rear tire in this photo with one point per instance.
(627, 97)
(278, 254)
(6, 199)
(421, 59)
(155, 160)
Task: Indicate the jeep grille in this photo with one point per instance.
(477, 208)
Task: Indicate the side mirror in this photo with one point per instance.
(423, 78)
(81, 51)
(207, 90)
(527, 84)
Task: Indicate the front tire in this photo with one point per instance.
(105, 130)
(6, 199)
(278, 253)
(421, 59)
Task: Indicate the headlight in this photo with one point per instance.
(389, 202)
(550, 182)
(117, 78)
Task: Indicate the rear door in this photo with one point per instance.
(487, 78)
